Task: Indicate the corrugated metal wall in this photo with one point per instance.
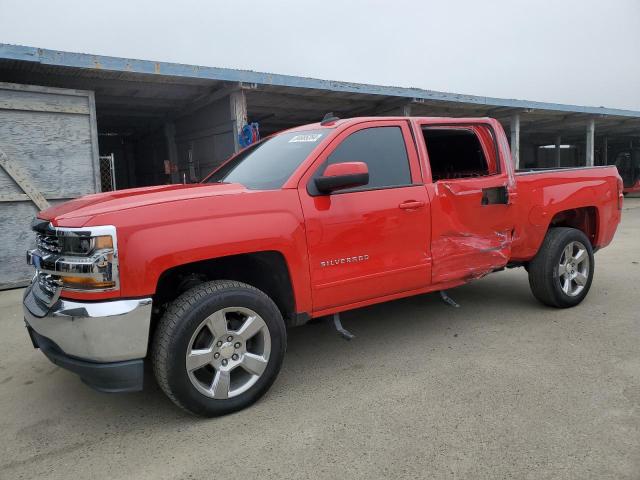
(205, 139)
(50, 135)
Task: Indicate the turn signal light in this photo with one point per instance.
(87, 283)
(104, 241)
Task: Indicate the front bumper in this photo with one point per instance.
(112, 377)
(87, 337)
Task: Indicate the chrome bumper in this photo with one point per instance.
(109, 331)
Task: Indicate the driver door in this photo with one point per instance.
(370, 241)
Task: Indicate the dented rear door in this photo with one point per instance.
(472, 216)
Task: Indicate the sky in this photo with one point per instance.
(584, 52)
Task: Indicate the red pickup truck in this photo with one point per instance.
(202, 281)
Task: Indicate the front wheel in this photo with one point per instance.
(219, 347)
(561, 273)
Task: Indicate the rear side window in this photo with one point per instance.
(384, 152)
(456, 153)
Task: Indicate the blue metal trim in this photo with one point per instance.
(117, 64)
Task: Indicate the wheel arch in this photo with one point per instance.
(266, 270)
(585, 219)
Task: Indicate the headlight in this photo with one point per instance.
(85, 245)
(79, 259)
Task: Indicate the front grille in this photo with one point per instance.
(48, 243)
(47, 287)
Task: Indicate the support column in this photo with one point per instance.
(589, 153)
(238, 104)
(605, 150)
(406, 110)
(558, 151)
(515, 140)
(172, 150)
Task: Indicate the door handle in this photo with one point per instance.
(411, 205)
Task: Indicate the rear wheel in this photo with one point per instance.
(561, 273)
(219, 347)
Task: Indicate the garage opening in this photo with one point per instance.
(628, 163)
(158, 133)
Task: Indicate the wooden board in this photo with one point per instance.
(50, 135)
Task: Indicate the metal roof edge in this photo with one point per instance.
(119, 64)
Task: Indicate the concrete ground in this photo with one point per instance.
(500, 388)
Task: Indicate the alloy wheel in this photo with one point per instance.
(573, 269)
(228, 352)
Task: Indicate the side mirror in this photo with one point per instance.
(343, 175)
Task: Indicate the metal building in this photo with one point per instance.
(159, 122)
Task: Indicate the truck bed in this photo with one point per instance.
(528, 171)
(545, 193)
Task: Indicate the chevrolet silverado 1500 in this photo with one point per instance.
(202, 280)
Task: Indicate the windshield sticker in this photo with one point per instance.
(306, 138)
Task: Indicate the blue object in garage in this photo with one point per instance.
(249, 134)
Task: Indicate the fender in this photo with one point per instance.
(156, 238)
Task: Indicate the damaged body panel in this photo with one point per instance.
(469, 239)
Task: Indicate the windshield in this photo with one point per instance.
(268, 164)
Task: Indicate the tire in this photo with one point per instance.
(192, 332)
(555, 282)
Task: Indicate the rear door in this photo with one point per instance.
(371, 241)
(472, 214)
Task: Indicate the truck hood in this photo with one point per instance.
(80, 210)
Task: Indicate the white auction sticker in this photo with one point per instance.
(306, 138)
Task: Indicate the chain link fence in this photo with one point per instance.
(107, 173)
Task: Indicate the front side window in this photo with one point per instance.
(382, 149)
(269, 164)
